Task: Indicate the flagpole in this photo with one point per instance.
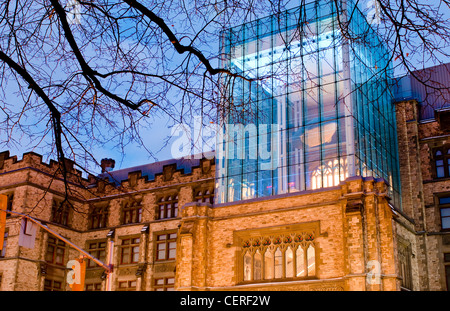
(97, 261)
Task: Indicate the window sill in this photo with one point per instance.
(164, 261)
(127, 265)
(277, 281)
(170, 218)
(435, 179)
(56, 265)
(131, 224)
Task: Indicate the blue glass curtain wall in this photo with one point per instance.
(295, 137)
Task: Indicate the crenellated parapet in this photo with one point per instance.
(31, 160)
(140, 179)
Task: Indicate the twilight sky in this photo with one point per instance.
(135, 155)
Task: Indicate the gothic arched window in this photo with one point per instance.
(283, 257)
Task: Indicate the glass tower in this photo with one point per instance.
(312, 108)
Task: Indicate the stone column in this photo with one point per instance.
(355, 279)
(368, 236)
(192, 247)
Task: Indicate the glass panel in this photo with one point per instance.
(268, 265)
(446, 257)
(447, 275)
(125, 255)
(305, 88)
(171, 281)
(49, 255)
(102, 255)
(445, 200)
(311, 260)
(445, 212)
(300, 257)
(328, 101)
(278, 264)
(446, 223)
(172, 254)
(59, 255)
(257, 264)
(247, 266)
(161, 237)
(136, 254)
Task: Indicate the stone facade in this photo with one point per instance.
(33, 187)
(348, 227)
(420, 222)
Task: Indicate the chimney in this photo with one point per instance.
(107, 165)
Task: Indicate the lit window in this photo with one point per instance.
(164, 284)
(127, 285)
(330, 174)
(98, 250)
(129, 252)
(204, 196)
(168, 207)
(166, 245)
